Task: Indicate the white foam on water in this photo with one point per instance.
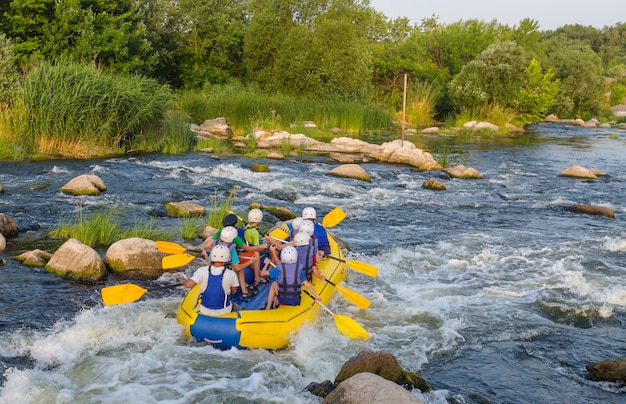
(614, 244)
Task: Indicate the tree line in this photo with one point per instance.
(326, 49)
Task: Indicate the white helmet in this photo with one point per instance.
(289, 255)
(220, 253)
(302, 239)
(307, 226)
(228, 234)
(309, 213)
(295, 223)
(255, 216)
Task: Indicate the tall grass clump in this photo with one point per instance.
(219, 208)
(490, 113)
(99, 229)
(177, 136)
(248, 108)
(74, 108)
(102, 228)
(420, 105)
(190, 226)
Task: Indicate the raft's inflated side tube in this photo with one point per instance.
(219, 331)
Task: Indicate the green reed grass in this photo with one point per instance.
(247, 108)
(190, 226)
(218, 146)
(219, 208)
(177, 136)
(102, 228)
(69, 103)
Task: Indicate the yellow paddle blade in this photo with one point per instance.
(170, 248)
(367, 269)
(278, 233)
(175, 261)
(120, 294)
(345, 324)
(350, 328)
(333, 218)
(364, 268)
(357, 299)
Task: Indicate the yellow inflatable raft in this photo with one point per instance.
(256, 328)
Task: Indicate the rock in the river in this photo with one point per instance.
(77, 261)
(369, 388)
(135, 258)
(350, 171)
(86, 184)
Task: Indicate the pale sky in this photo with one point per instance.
(550, 14)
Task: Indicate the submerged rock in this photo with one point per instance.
(609, 371)
(593, 210)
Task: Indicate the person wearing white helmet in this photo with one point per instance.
(217, 283)
(323, 244)
(227, 237)
(290, 277)
(307, 255)
(244, 260)
(252, 237)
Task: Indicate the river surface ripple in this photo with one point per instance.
(489, 289)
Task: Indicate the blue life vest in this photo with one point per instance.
(289, 281)
(241, 233)
(322, 238)
(214, 297)
(305, 258)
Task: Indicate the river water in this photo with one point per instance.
(489, 289)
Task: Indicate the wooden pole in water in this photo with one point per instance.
(404, 109)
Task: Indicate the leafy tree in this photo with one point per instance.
(25, 24)
(213, 40)
(537, 95)
(9, 77)
(452, 46)
(579, 69)
(271, 22)
(107, 33)
(318, 48)
(494, 77)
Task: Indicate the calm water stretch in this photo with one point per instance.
(491, 288)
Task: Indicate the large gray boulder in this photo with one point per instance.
(581, 172)
(405, 152)
(135, 258)
(461, 171)
(354, 171)
(77, 261)
(384, 365)
(280, 139)
(216, 128)
(369, 388)
(8, 228)
(86, 184)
